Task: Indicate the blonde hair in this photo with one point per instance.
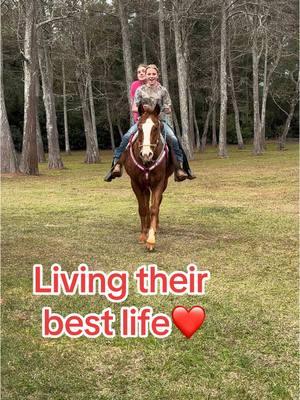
(141, 66)
(152, 66)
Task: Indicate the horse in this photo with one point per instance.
(148, 162)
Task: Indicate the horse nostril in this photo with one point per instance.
(146, 155)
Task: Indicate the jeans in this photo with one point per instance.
(169, 134)
(125, 140)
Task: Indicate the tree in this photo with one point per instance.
(223, 83)
(291, 98)
(162, 46)
(82, 55)
(126, 47)
(40, 145)
(268, 41)
(66, 129)
(87, 34)
(92, 152)
(9, 162)
(46, 68)
(29, 160)
(234, 100)
(181, 60)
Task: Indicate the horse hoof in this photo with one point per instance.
(150, 246)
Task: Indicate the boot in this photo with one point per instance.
(180, 174)
(191, 176)
(115, 172)
(185, 164)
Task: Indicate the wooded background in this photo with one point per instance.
(231, 68)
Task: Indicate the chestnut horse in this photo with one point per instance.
(149, 167)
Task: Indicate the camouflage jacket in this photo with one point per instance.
(152, 96)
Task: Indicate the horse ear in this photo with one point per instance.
(156, 110)
(141, 109)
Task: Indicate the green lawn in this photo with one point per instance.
(238, 219)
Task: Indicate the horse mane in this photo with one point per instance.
(145, 109)
(145, 116)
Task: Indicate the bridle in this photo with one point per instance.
(151, 145)
(164, 153)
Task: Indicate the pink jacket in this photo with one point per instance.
(133, 88)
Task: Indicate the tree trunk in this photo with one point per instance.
(215, 89)
(223, 87)
(176, 123)
(162, 43)
(257, 143)
(112, 139)
(142, 13)
(197, 131)
(205, 130)
(182, 81)
(191, 130)
(163, 54)
(67, 143)
(191, 119)
(266, 87)
(89, 84)
(120, 129)
(92, 152)
(84, 79)
(264, 99)
(40, 145)
(126, 50)
(46, 68)
(9, 162)
(92, 106)
(214, 126)
(234, 102)
(29, 160)
(287, 124)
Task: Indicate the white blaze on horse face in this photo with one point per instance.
(146, 152)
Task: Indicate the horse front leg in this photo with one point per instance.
(144, 211)
(143, 201)
(154, 213)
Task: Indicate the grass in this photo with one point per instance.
(238, 219)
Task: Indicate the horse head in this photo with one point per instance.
(148, 132)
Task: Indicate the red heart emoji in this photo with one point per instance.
(188, 321)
